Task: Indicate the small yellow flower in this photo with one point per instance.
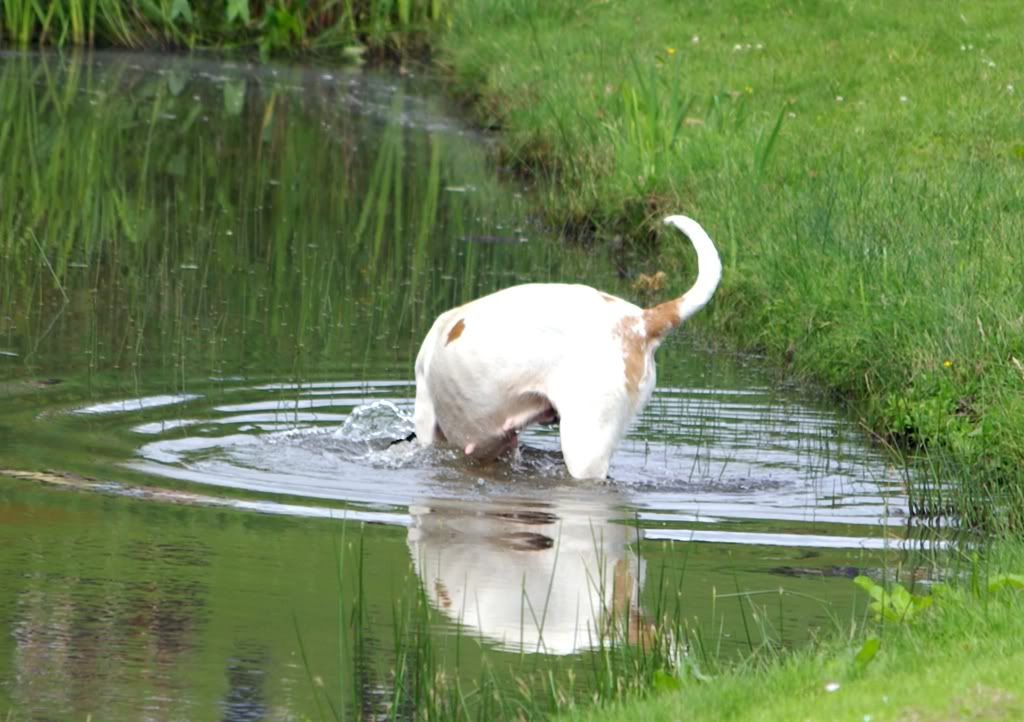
(670, 51)
(948, 364)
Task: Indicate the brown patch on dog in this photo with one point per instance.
(542, 518)
(456, 331)
(525, 541)
(634, 353)
(639, 631)
(608, 299)
(661, 319)
(442, 594)
(622, 587)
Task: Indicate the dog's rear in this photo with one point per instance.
(536, 352)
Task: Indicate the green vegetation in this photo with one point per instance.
(278, 26)
(861, 167)
(254, 271)
(955, 657)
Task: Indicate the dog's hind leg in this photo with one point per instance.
(589, 437)
(427, 431)
(531, 408)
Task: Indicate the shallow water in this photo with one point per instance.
(214, 281)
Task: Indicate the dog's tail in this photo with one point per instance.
(666, 316)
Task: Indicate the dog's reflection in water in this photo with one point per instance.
(534, 576)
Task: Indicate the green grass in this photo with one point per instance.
(336, 27)
(957, 659)
(861, 167)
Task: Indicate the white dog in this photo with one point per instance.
(547, 352)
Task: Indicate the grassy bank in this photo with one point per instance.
(346, 27)
(956, 659)
(860, 166)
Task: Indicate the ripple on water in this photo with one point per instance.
(697, 463)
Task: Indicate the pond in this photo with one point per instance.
(214, 278)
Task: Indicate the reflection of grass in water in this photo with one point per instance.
(427, 678)
(430, 675)
(201, 226)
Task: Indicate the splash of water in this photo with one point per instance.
(376, 423)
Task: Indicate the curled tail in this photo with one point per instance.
(664, 317)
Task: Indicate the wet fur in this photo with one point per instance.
(546, 352)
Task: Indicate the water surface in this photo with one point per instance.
(214, 280)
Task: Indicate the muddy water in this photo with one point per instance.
(214, 279)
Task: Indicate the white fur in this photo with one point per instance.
(533, 577)
(497, 364)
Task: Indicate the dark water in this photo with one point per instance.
(213, 282)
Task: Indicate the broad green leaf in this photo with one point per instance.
(665, 682)
(234, 97)
(869, 586)
(176, 81)
(998, 582)
(867, 652)
(900, 597)
(238, 10)
(181, 8)
(895, 605)
(176, 165)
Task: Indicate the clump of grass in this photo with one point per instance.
(924, 655)
(327, 26)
